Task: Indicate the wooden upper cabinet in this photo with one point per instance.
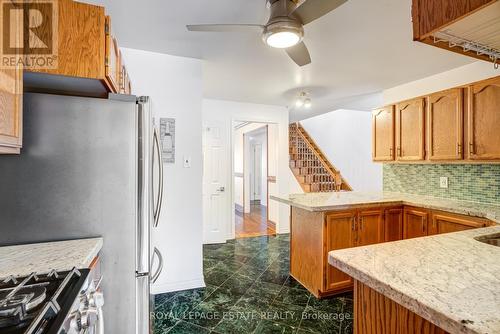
(11, 104)
(81, 41)
(443, 222)
(383, 134)
(431, 15)
(370, 227)
(113, 60)
(410, 129)
(453, 24)
(484, 120)
(393, 224)
(445, 125)
(415, 222)
(339, 235)
(11, 111)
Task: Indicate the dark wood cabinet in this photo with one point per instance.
(393, 224)
(370, 229)
(314, 234)
(415, 222)
(443, 222)
(340, 234)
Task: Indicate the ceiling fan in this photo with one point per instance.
(285, 28)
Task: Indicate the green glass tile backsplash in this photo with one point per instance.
(478, 183)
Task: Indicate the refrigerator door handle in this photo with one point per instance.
(157, 210)
(156, 275)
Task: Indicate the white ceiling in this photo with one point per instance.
(358, 50)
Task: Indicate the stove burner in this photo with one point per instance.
(34, 303)
(15, 308)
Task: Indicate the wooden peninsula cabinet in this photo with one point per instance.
(314, 234)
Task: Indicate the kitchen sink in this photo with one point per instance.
(493, 239)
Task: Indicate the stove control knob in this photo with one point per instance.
(83, 302)
(89, 318)
(75, 322)
(96, 299)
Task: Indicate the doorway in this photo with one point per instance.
(251, 183)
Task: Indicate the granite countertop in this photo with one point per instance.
(353, 199)
(452, 280)
(22, 260)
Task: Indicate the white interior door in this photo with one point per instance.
(257, 172)
(215, 211)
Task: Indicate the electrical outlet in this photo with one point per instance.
(187, 162)
(443, 182)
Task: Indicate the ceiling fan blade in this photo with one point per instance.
(311, 10)
(225, 27)
(299, 54)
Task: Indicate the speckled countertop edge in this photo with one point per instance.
(21, 260)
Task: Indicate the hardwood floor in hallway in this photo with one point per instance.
(253, 224)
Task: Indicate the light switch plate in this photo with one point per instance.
(443, 182)
(187, 162)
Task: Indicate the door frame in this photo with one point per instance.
(234, 120)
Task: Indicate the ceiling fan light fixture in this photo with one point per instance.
(283, 39)
(283, 34)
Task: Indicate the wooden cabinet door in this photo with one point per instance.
(484, 120)
(445, 125)
(339, 235)
(11, 103)
(414, 223)
(383, 134)
(447, 223)
(393, 224)
(112, 60)
(370, 227)
(11, 108)
(410, 130)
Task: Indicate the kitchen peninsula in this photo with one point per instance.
(451, 264)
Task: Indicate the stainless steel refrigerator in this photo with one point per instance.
(90, 167)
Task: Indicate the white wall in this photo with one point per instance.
(345, 136)
(175, 87)
(457, 77)
(227, 112)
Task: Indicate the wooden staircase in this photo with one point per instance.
(310, 166)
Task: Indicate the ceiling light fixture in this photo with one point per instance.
(307, 103)
(303, 100)
(283, 34)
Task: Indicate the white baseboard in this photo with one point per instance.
(157, 289)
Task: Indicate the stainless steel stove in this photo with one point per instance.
(54, 303)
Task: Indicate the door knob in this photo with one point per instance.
(221, 189)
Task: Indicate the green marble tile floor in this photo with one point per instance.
(249, 290)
